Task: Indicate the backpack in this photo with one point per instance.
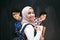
(22, 35)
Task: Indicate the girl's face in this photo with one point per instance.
(31, 15)
(42, 17)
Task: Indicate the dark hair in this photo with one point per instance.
(42, 13)
(15, 10)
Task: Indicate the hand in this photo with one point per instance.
(37, 27)
(42, 38)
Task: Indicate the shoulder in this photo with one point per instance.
(28, 26)
(18, 22)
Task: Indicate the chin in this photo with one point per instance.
(32, 20)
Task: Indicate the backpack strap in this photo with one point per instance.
(25, 27)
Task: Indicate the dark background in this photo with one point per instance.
(52, 7)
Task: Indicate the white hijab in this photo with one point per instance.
(24, 15)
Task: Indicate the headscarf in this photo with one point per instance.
(24, 15)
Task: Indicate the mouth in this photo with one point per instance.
(32, 17)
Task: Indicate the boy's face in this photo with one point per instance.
(16, 15)
(42, 17)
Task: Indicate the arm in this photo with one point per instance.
(44, 30)
(43, 33)
(16, 30)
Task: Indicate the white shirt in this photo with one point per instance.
(29, 31)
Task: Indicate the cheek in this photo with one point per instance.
(28, 16)
(15, 17)
(43, 18)
(34, 15)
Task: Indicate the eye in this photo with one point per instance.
(29, 13)
(13, 14)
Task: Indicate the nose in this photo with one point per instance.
(15, 16)
(32, 14)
